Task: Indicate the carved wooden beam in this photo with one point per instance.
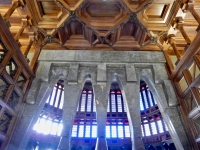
(169, 62)
(31, 40)
(171, 41)
(190, 6)
(187, 60)
(26, 21)
(178, 24)
(15, 4)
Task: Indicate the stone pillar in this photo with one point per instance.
(101, 93)
(72, 93)
(132, 100)
(30, 114)
(170, 116)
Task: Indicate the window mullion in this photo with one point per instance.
(84, 128)
(92, 102)
(143, 101)
(150, 128)
(78, 123)
(86, 100)
(117, 130)
(147, 98)
(116, 102)
(157, 127)
(110, 102)
(61, 90)
(123, 105)
(153, 100)
(143, 130)
(55, 95)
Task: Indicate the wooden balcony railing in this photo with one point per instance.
(15, 76)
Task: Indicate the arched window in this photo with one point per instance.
(117, 125)
(85, 125)
(50, 119)
(153, 126)
(47, 130)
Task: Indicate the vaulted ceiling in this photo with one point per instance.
(102, 24)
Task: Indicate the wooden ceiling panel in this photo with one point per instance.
(71, 3)
(106, 24)
(50, 8)
(155, 10)
(76, 27)
(103, 10)
(102, 15)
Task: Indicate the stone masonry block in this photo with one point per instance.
(101, 73)
(159, 73)
(130, 73)
(73, 72)
(169, 92)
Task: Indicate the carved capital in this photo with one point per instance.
(32, 36)
(26, 21)
(170, 39)
(178, 23)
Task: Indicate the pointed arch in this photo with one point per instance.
(85, 125)
(117, 124)
(153, 126)
(44, 91)
(163, 110)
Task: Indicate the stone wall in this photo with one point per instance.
(101, 68)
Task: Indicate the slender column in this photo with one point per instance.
(178, 24)
(72, 93)
(169, 61)
(16, 4)
(31, 40)
(132, 101)
(190, 6)
(171, 41)
(25, 22)
(101, 93)
(30, 114)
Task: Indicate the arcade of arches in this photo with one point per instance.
(99, 74)
(92, 83)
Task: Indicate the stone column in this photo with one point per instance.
(132, 101)
(101, 93)
(72, 93)
(30, 114)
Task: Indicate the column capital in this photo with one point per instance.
(170, 39)
(32, 36)
(178, 23)
(26, 21)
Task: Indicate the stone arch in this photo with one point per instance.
(128, 100)
(163, 110)
(38, 103)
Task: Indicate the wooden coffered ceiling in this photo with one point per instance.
(102, 24)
